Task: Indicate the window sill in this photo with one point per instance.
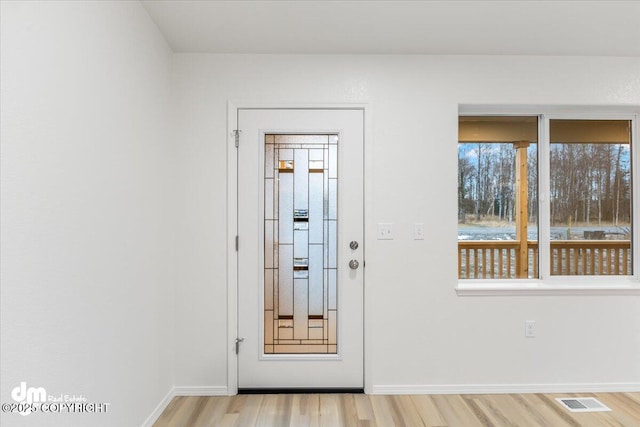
(523, 288)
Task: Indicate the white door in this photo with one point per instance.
(300, 277)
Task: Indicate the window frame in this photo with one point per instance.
(546, 284)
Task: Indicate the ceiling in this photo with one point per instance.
(590, 28)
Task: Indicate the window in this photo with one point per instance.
(590, 197)
(543, 197)
(497, 197)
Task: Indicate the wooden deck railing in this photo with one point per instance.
(490, 259)
(590, 257)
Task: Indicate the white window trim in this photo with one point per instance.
(562, 285)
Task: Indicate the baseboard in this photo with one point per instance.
(200, 391)
(151, 419)
(183, 391)
(505, 388)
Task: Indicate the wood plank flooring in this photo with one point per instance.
(334, 410)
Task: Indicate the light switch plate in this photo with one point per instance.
(385, 231)
(418, 231)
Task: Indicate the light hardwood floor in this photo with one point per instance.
(333, 410)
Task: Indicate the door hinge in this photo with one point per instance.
(237, 243)
(236, 135)
(238, 341)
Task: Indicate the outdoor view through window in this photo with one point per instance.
(589, 188)
(497, 197)
(590, 197)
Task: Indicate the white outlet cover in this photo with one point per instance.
(530, 328)
(418, 231)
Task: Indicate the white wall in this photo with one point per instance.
(423, 335)
(87, 208)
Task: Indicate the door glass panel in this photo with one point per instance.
(300, 244)
(590, 193)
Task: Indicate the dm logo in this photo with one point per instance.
(22, 394)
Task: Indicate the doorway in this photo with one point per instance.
(300, 248)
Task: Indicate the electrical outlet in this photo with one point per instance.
(418, 231)
(530, 328)
(385, 231)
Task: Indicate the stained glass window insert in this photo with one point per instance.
(300, 244)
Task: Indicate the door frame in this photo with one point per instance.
(232, 226)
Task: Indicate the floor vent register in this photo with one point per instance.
(582, 404)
